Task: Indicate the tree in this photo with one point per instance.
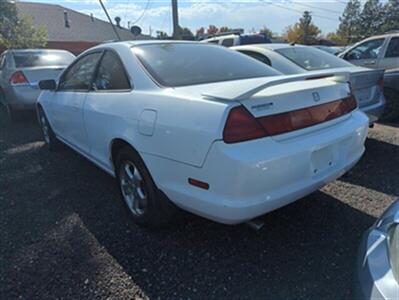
(224, 29)
(371, 18)
(334, 37)
(391, 13)
(304, 31)
(17, 31)
(162, 35)
(350, 24)
(200, 32)
(185, 33)
(267, 32)
(212, 29)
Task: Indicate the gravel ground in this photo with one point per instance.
(64, 235)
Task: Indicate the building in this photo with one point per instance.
(71, 30)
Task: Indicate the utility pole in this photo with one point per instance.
(175, 16)
(110, 21)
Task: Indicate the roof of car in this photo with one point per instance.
(272, 46)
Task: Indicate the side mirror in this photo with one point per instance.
(50, 85)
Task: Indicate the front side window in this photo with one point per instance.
(182, 64)
(111, 74)
(366, 50)
(310, 58)
(80, 75)
(393, 48)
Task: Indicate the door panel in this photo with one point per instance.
(68, 101)
(391, 57)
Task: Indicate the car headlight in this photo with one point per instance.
(394, 250)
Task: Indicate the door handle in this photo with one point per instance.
(369, 63)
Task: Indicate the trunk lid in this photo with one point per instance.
(34, 75)
(364, 82)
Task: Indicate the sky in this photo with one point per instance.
(252, 15)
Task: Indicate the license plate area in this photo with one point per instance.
(363, 95)
(322, 159)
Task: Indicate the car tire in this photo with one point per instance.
(391, 109)
(143, 202)
(48, 134)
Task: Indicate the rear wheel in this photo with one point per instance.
(48, 135)
(391, 110)
(144, 203)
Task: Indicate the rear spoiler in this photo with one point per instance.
(246, 89)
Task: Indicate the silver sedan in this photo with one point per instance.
(20, 73)
(378, 260)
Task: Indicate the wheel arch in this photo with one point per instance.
(115, 146)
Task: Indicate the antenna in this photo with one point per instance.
(110, 21)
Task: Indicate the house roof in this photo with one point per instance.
(82, 27)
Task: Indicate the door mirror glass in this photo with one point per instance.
(50, 85)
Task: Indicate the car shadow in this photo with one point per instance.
(306, 250)
(378, 169)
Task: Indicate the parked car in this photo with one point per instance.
(391, 91)
(229, 39)
(378, 260)
(20, 73)
(202, 127)
(380, 52)
(332, 50)
(367, 84)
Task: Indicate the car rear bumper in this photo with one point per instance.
(22, 97)
(374, 111)
(252, 178)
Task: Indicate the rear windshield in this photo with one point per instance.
(173, 64)
(312, 59)
(42, 59)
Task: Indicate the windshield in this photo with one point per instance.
(312, 59)
(42, 58)
(178, 64)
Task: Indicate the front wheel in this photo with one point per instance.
(48, 135)
(145, 204)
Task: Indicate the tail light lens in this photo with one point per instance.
(18, 78)
(242, 126)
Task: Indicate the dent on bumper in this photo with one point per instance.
(252, 178)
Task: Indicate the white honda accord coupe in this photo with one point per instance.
(202, 127)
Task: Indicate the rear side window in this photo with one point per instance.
(181, 64)
(228, 42)
(80, 75)
(262, 58)
(311, 58)
(43, 58)
(2, 61)
(393, 48)
(111, 74)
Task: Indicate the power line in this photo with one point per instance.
(319, 8)
(301, 12)
(142, 14)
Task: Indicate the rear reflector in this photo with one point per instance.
(198, 183)
(18, 78)
(242, 126)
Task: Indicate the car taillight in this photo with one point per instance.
(241, 126)
(18, 78)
